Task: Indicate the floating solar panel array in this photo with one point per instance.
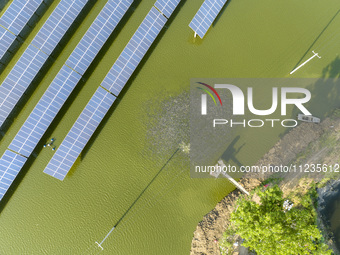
(31, 61)
(206, 16)
(45, 111)
(67, 78)
(102, 100)
(14, 20)
(97, 34)
(57, 24)
(80, 133)
(10, 165)
(134, 51)
(19, 79)
(167, 7)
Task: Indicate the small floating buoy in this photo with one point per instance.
(44, 145)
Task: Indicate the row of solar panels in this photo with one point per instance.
(61, 87)
(36, 54)
(21, 11)
(115, 80)
(14, 20)
(31, 62)
(65, 81)
(10, 164)
(206, 16)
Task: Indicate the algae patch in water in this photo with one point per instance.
(168, 125)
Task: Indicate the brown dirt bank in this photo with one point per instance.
(294, 144)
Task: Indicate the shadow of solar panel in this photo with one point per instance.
(134, 51)
(18, 80)
(57, 24)
(45, 111)
(10, 165)
(206, 16)
(18, 14)
(167, 6)
(97, 34)
(80, 134)
(6, 40)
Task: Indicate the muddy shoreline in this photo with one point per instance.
(210, 230)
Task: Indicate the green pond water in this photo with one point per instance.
(249, 39)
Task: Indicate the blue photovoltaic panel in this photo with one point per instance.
(6, 40)
(18, 80)
(57, 24)
(167, 6)
(134, 51)
(45, 111)
(18, 14)
(97, 34)
(80, 134)
(206, 16)
(33, 59)
(10, 165)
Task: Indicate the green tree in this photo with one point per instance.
(270, 229)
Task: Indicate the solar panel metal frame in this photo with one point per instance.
(18, 80)
(134, 51)
(57, 24)
(205, 16)
(80, 134)
(45, 111)
(167, 7)
(101, 29)
(10, 165)
(18, 14)
(6, 40)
